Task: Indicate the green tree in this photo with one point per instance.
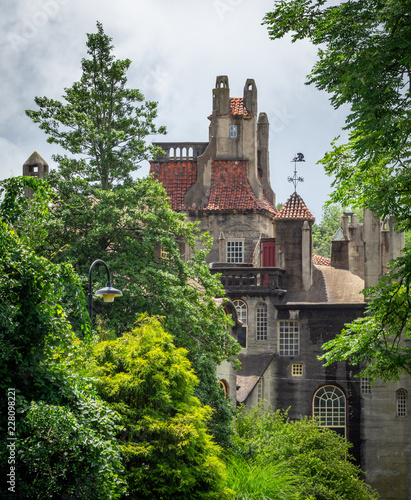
(364, 62)
(317, 461)
(166, 449)
(99, 212)
(65, 432)
(101, 120)
(325, 230)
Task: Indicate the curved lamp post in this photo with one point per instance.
(108, 293)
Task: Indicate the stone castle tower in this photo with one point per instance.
(35, 166)
(289, 302)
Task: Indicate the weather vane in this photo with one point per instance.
(294, 179)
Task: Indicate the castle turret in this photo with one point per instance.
(35, 166)
(263, 164)
(294, 242)
(221, 96)
(250, 96)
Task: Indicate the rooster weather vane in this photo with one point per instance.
(299, 157)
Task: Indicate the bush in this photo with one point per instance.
(318, 457)
(166, 449)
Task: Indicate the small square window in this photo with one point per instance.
(297, 369)
(164, 254)
(235, 252)
(365, 386)
(233, 131)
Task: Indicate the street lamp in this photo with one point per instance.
(108, 293)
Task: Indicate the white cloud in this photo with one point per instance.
(177, 49)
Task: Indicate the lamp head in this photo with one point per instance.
(108, 293)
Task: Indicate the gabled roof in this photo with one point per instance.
(295, 209)
(231, 189)
(252, 369)
(237, 107)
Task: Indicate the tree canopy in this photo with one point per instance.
(364, 62)
(101, 120)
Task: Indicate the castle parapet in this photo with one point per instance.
(177, 151)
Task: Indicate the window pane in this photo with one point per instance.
(233, 131)
(288, 338)
(262, 322)
(234, 251)
(241, 308)
(401, 403)
(329, 407)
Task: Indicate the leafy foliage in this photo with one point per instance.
(257, 480)
(375, 341)
(326, 229)
(317, 460)
(165, 445)
(100, 213)
(66, 434)
(102, 120)
(364, 61)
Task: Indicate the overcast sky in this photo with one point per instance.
(177, 49)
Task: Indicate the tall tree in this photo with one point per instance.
(364, 62)
(60, 434)
(165, 446)
(99, 212)
(101, 120)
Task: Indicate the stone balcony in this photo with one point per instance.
(180, 151)
(244, 279)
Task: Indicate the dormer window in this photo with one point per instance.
(233, 131)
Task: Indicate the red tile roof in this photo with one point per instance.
(321, 261)
(176, 177)
(237, 107)
(230, 187)
(296, 209)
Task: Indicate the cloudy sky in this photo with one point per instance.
(177, 49)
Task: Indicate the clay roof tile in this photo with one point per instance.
(296, 209)
(237, 107)
(321, 261)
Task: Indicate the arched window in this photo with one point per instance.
(241, 308)
(401, 403)
(224, 386)
(261, 313)
(329, 407)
